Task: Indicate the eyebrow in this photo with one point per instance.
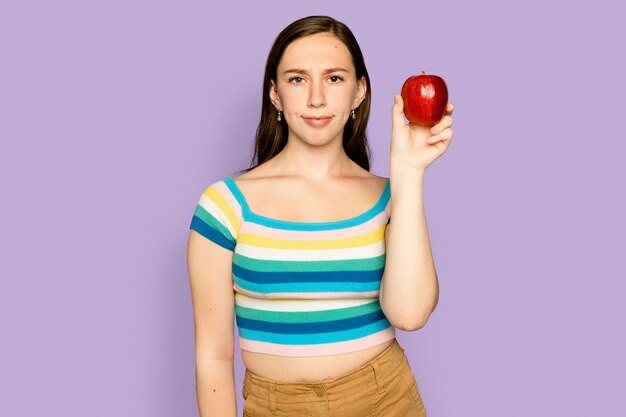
(302, 71)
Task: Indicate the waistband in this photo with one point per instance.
(390, 358)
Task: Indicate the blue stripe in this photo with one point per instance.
(313, 327)
(316, 338)
(308, 286)
(211, 233)
(311, 276)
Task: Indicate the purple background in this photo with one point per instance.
(115, 116)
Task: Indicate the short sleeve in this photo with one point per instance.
(217, 216)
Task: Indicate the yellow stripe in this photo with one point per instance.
(340, 243)
(223, 205)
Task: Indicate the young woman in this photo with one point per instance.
(317, 259)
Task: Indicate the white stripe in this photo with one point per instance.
(336, 295)
(215, 211)
(298, 305)
(361, 252)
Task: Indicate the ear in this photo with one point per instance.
(361, 89)
(274, 98)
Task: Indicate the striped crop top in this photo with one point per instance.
(301, 289)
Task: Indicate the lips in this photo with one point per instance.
(318, 121)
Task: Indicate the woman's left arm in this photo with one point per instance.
(409, 289)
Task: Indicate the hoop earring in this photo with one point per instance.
(352, 114)
(279, 118)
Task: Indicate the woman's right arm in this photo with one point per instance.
(213, 298)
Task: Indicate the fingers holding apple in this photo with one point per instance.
(405, 135)
(443, 124)
(445, 136)
(409, 141)
(442, 131)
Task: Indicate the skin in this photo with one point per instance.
(313, 167)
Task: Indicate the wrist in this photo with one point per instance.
(399, 170)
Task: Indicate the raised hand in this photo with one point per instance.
(417, 146)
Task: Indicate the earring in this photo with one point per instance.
(279, 118)
(352, 114)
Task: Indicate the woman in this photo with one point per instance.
(300, 249)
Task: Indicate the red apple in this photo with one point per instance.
(425, 98)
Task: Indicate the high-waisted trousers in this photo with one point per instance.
(383, 387)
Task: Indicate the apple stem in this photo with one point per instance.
(423, 72)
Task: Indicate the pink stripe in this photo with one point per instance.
(229, 197)
(306, 295)
(361, 229)
(318, 350)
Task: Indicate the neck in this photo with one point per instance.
(314, 163)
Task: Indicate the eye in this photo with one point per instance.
(296, 79)
(335, 78)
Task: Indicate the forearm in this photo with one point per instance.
(215, 388)
(409, 287)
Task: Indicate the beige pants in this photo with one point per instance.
(382, 387)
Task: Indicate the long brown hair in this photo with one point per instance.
(271, 135)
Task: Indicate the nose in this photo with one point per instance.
(316, 95)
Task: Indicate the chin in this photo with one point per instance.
(317, 137)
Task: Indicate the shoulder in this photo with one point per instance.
(370, 180)
(256, 182)
(221, 195)
(218, 215)
(381, 182)
(374, 183)
(221, 187)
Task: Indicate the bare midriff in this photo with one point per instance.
(299, 369)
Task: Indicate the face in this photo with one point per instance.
(316, 88)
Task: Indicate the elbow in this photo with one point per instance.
(409, 315)
(210, 357)
(411, 322)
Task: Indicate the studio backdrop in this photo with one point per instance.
(115, 116)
